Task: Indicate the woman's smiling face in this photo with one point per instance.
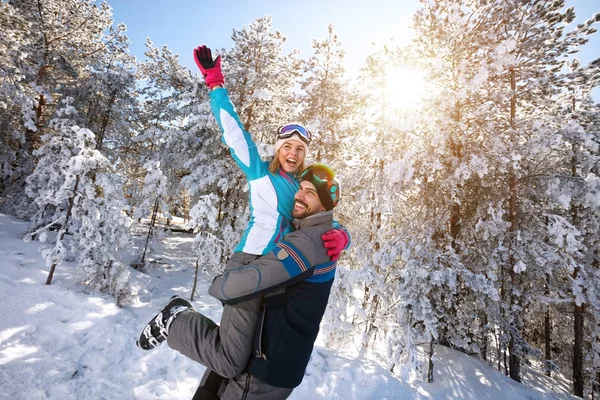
(291, 155)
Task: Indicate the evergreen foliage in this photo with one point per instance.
(474, 212)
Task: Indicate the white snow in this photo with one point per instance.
(59, 342)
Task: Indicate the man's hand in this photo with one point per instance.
(210, 69)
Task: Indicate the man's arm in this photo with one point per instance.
(291, 261)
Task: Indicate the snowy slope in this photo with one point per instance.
(59, 342)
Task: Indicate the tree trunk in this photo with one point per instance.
(454, 224)
(370, 326)
(150, 231)
(514, 360)
(105, 120)
(430, 357)
(513, 347)
(578, 381)
(505, 360)
(63, 231)
(195, 280)
(548, 336)
(376, 216)
(456, 152)
(484, 341)
(596, 381)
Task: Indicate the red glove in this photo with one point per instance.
(211, 70)
(335, 240)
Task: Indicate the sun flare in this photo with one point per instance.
(404, 88)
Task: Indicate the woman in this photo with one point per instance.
(227, 349)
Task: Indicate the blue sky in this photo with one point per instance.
(185, 24)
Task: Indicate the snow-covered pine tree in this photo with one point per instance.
(73, 187)
(61, 38)
(588, 198)
(574, 188)
(537, 49)
(13, 31)
(496, 84)
(169, 140)
(329, 101)
(367, 216)
(207, 245)
(108, 95)
(49, 174)
(261, 79)
(167, 94)
(154, 195)
(376, 207)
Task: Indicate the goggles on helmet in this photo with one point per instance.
(286, 131)
(327, 187)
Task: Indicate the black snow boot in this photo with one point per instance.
(157, 330)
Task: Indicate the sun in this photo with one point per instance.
(404, 88)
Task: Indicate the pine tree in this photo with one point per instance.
(73, 187)
(329, 101)
(463, 219)
(59, 40)
(167, 141)
(13, 28)
(261, 79)
(109, 96)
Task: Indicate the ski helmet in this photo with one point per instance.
(327, 187)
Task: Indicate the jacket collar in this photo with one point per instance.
(320, 218)
(294, 176)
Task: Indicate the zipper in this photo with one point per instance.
(247, 388)
(258, 334)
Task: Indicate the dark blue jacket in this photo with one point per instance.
(290, 324)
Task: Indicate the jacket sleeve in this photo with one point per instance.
(291, 261)
(240, 143)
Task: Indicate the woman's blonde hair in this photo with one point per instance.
(275, 164)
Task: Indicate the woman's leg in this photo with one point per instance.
(225, 349)
(246, 386)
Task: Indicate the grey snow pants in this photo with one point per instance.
(225, 349)
(248, 387)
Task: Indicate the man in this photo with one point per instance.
(301, 272)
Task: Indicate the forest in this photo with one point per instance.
(474, 211)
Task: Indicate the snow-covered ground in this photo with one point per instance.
(59, 342)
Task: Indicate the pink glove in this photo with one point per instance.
(211, 70)
(335, 240)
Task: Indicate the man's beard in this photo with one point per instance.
(300, 214)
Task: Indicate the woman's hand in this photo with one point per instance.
(335, 240)
(210, 69)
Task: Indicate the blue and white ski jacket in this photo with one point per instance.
(271, 195)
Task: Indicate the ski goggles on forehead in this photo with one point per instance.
(286, 131)
(318, 174)
(327, 187)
